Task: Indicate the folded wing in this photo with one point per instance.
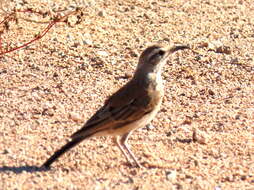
(119, 110)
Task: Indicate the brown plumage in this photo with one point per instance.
(131, 107)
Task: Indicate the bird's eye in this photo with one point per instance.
(157, 56)
(161, 53)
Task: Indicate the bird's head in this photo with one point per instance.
(154, 57)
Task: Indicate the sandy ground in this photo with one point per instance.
(49, 89)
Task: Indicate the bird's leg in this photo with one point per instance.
(122, 143)
(118, 142)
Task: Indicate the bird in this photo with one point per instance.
(131, 107)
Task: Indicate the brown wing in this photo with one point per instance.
(123, 107)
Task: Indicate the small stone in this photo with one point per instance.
(168, 134)
(214, 45)
(55, 39)
(72, 20)
(146, 16)
(87, 42)
(47, 112)
(76, 44)
(102, 53)
(210, 92)
(187, 122)
(237, 116)
(3, 71)
(178, 186)
(234, 61)
(55, 74)
(101, 14)
(243, 177)
(6, 151)
(219, 47)
(163, 110)
(132, 7)
(75, 117)
(134, 53)
(198, 136)
(223, 49)
(69, 37)
(171, 175)
(166, 39)
(203, 45)
(149, 127)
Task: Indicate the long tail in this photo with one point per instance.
(62, 150)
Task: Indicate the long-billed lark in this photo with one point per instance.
(131, 107)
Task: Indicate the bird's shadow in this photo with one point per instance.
(20, 169)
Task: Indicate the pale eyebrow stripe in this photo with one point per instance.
(154, 52)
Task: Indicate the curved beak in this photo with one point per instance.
(178, 47)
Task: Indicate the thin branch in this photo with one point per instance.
(56, 20)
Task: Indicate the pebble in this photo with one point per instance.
(75, 117)
(87, 42)
(198, 136)
(219, 47)
(149, 127)
(101, 13)
(102, 53)
(171, 175)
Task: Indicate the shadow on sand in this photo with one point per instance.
(20, 169)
